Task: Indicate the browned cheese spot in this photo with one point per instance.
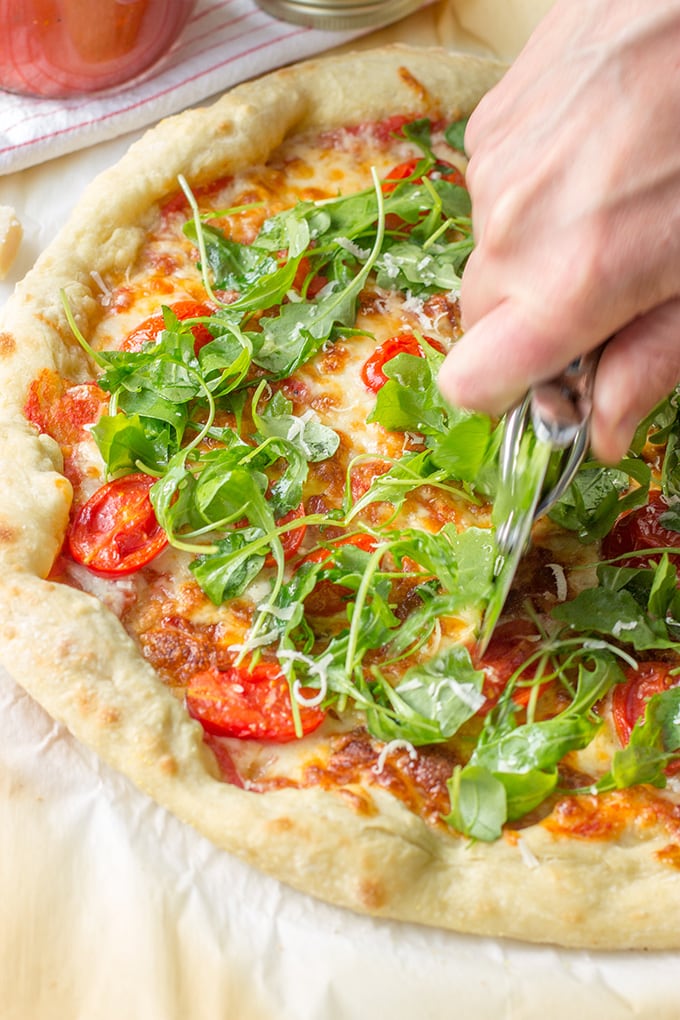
(359, 801)
(670, 855)
(413, 83)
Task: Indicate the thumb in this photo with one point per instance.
(502, 355)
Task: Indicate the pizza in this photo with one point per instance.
(246, 545)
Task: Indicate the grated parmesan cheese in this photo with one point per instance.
(529, 858)
(107, 293)
(352, 248)
(389, 748)
(620, 626)
(255, 642)
(318, 670)
(560, 580)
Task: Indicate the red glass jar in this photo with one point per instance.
(60, 48)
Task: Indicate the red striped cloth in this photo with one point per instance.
(224, 42)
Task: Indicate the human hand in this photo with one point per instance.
(575, 181)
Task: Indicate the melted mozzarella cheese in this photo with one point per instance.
(169, 606)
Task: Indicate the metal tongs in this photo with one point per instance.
(559, 411)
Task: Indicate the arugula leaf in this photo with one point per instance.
(419, 132)
(393, 486)
(478, 803)
(656, 427)
(598, 495)
(312, 439)
(224, 362)
(234, 266)
(654, 743)
(407, 265)
(226, 491)
(613, 613)
(635, 606)
(670, 472)
(523, 759)
(446, 689)
(462, 561)
(130, 443)
(410, 400)
(227, 572)
(455, 134)
(467, 447)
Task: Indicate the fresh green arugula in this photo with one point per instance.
(231, 461)
(514, 766)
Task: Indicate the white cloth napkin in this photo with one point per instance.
(224, 42)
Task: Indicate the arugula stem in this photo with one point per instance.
(362, 592)
(200, 239)
(95, 355)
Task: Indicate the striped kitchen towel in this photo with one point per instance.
(224, 42)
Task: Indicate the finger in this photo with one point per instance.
(639, 367)
(496, 361)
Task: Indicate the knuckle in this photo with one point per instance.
(505, 219)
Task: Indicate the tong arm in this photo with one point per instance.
(561, 407)
(560, 411)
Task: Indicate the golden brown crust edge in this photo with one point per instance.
(73, 656)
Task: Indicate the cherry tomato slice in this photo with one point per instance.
(372, 372)
(510, 646)
(328, 598)
(639, 530)
(149, 330)
(315, 284)
(116, 532)
(290, 540)
(361, 541)
(406, 169)
(251, 704)
(63, 409)
(629, 699)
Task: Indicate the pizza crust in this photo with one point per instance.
(74, 657)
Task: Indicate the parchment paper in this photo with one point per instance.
(111, 909)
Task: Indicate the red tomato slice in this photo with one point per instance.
(226, 764)
(361, 540)
(251, 704)
(317, 283)
(639, 530)
(373, 374)
(116, 532)
(328, 598)
(629, 699)
(406, 169)
(510, 646)
(149, 329)
(62, 409)
(290, 540)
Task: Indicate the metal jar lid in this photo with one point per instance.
(339, 14)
